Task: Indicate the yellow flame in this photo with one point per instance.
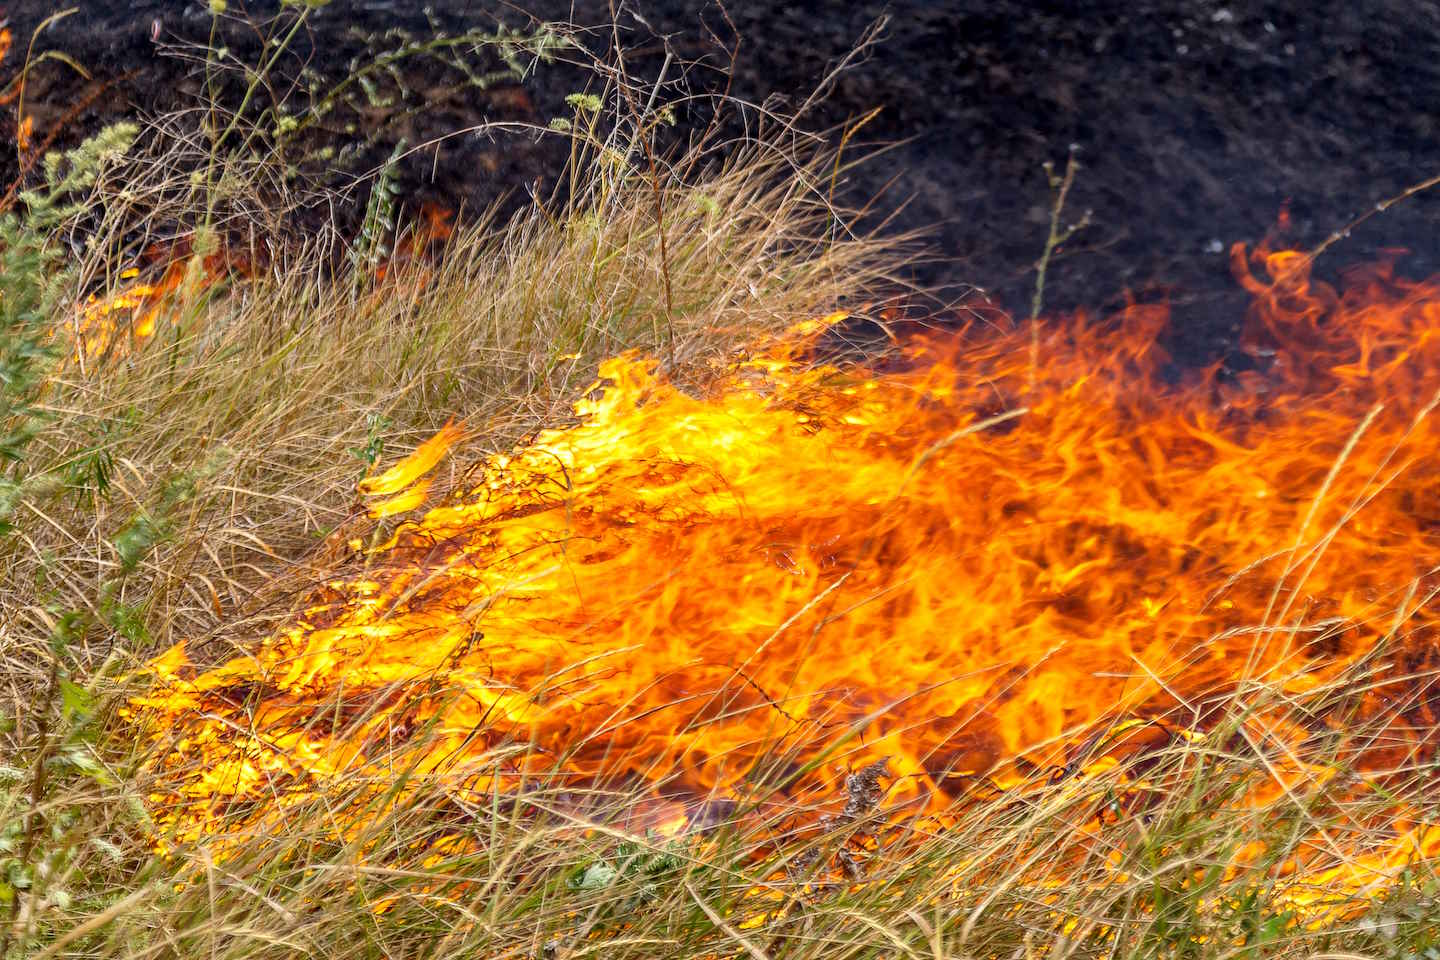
(401, 502)
(417, 464)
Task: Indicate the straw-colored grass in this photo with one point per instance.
(265, 394)
(234, 441)
(194, 485)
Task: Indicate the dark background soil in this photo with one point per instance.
(1196, 121)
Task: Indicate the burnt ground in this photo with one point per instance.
(1196, 121)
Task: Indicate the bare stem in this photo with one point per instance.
(1060, 187)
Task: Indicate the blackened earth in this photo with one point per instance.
(1196, 122)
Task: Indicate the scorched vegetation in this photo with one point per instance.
(627, 578)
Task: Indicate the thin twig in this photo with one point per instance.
(1379, 208)
(1060, 187)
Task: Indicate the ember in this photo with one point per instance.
(925, 561)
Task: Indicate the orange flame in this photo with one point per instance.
(416, 465)
(112, 324)
(697, 589)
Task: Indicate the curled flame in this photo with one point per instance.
(402, 502)
(417, 464)
(976, 564)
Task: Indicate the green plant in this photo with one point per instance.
(33, 282)
(49, 828)
(376, 81)
(373, 243)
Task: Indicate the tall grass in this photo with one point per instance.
(197, 485)
(275, 394)
(1089, 866)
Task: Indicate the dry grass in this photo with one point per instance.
(281, 374)
(233, 443)
(262, 394)
(1078, 867)
(195, 485)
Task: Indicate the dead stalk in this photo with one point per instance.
(1060, 186)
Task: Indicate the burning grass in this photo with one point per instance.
(909, 649)
(196, 483)
(689, 631)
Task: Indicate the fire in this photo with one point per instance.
(96, 326)
(941, 557)
(111, 324)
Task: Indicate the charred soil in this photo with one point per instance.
(1196, 122)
